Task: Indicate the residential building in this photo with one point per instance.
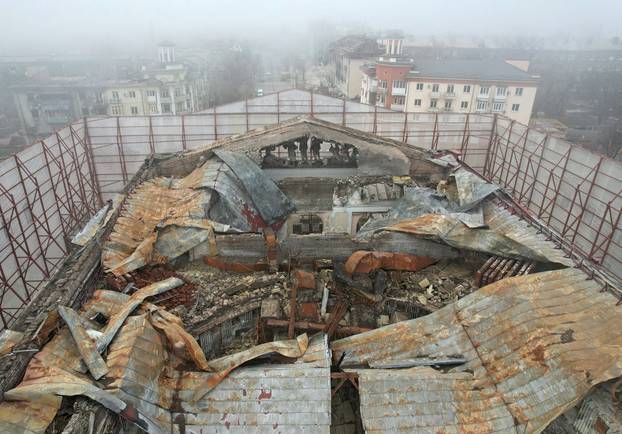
(133, 97)
(48, 104)
(462, 86)
(169, 86)
(349, 54)
(172, 87)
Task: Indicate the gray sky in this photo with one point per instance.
(37, 26)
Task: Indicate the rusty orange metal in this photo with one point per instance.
(363, 261)
(271, 248)
(304, 279)
(236, 267)
(309, 311)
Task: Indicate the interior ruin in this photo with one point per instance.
(354, 285)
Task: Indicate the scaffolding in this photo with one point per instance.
(51, 189)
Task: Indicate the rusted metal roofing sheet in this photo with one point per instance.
(164, 217)
(540, 342)
(268, 199)
(8, 340)
(501, 220)
(424, 400)
(451, 231)
(285, 398)
(148, 380)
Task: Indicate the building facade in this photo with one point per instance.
(460, 86)
(349, 54)
(46, 105)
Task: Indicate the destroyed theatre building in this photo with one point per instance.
(297, 263)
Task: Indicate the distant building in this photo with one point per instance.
(349, 54)
(166, 87)
(172, 87)
(462, 86)
(46, 105)
(133, 97)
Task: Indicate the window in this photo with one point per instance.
(399, 100)
(115, 95)
(116, 110)
(484, 90)
(399, 84)
(382, 84)
(417, 103)
(419, 86)
(165, 93)
(498, 107)
(482, 105)
(308, 224)
(166, 108)
(519, 91)
(134, 110)
(515, 107)
(380, 99)
(467, 88)
(433, 103)
(153, 107)
(464, 104)
(189, 105)
(501, 91)
(435, 88)
(447, 105)
(132, 94)
(179, 106)
(151, 92)
(450, 88)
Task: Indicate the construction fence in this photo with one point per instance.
(52, 188)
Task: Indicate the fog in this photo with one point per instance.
(118, 26)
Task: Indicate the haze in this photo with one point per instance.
(42, 26)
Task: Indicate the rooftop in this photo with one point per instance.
(308, 276)
(484, 70)
(470, 69)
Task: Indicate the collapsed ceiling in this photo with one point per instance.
(313, 298)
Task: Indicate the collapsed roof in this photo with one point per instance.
(381, 295)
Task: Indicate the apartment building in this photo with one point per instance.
(47, 104)
(349, 54)
(459, 86)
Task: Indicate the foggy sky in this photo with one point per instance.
(43, 26)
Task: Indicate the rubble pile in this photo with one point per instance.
(218, 291)
(434, 286)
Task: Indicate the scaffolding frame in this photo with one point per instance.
(49, 190)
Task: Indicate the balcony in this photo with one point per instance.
(500, 97)
(447, 109)
(434, 94)
(397, 107)
(498, 107)
(381, 89)
(398, 91)
(433, 109)
(483, 96)
(449, 94)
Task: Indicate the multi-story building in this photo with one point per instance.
(349, 54)
(133, 97)
(461, 86)
(45, 105)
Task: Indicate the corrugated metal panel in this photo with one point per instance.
(164, 217)
(598, 413)
(423, 400)
(502, 221)
(540, 341)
